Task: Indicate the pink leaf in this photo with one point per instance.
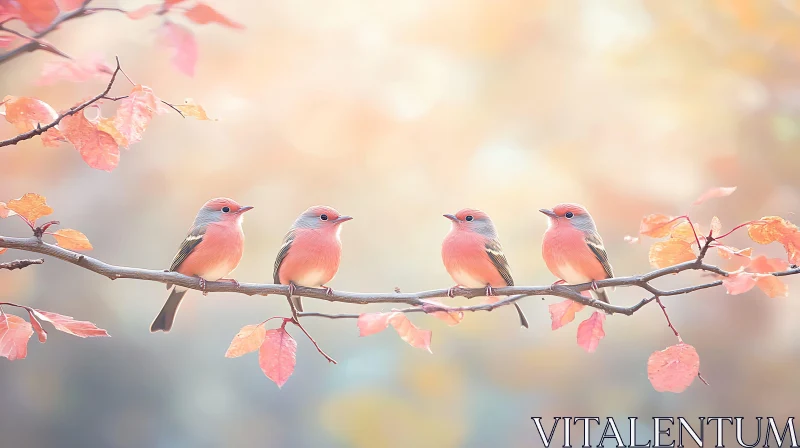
(37, 327)
(37, 14)
(204, 14)
(278, 355)
(591, 331)
(97, 148)
(69, 5)
(67, 324)
(371, 323)
(6, 40)
(739, 282)
(143, 12)
(451, 318)
(135, 112)
(409, 333)
(183, 44)
(719, 192)
(562, 313)
(14, 336)
(73, 70)
(674, 368)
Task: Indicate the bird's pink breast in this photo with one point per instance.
(313, 258)
(218, 254)
(464, 256)
(567, 255)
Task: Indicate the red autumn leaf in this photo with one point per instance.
(451, 318)
(27, 113)
(37, 14)
(73, 70)
(371, 323)
(249, 339)
(135, 112)
(739, 282)
(278, 355)
(67, 324)
(14, 335)
(7, 10)
(771, 285)
(204, 14)
(590, 331)
(410, 333)
(107, 125)
(6, 40)
(674, 368)
(37, 327)
(97, 148)
(143, 12)
(562, 313)
(170, 3)
(183, 45)
(5, 212)
(670, 252)
(72, 240)
(30, 206)
(656, 225)
(719, 192)
(69, 5)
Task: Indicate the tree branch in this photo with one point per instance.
(42, 129)
(415, 300)
(19, 264)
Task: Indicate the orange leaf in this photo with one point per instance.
(107, 125)
(183, 44)
(656, 225)
(739, 257)
(135, 112)
(37, 14)
(371, 323)
(684, 231)
(739, 282)
(771, 285)
(590, 331)
(31, 207)
(67, 324)
(97, 148)
(72, 240)
(774, 228)
(451, 318)
(2, 251)
(249, 339)
(674, 368)
(562, 313)
(670, 252)
(5, 212)
(410, 333)
(14, 335)
(278, 355)
(69, 5)
(27, 113)
(204, 14)
(719, 192)
(190, 109)
(143, 12)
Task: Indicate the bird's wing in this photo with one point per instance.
(595, 243)
(287, 243)
(495, 253)
(189, 243)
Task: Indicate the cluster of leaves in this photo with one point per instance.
(41, 16)
(14, 330)
(97, 139)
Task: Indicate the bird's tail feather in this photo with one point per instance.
(166, 317)
(522, 319)
(600, 295)
(297, 301)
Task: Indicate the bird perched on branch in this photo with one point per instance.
(311, 252)
(473, 257)
(572, 248)
(211, 250)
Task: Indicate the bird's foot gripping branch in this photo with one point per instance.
(682, 246)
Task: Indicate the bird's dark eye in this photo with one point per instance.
(569, 215)
(226, 209)
(323, 217)
(469, 218)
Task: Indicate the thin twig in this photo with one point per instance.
(19, 264)
(42, 129)
(321, 352)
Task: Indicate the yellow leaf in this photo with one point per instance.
(31, 207)
(670, 252)
(190, 109)
(249, 339)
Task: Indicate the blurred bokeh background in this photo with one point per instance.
(394, 113)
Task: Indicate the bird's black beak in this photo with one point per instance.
(451, 217)
(342, 219)
(245, 208)
(548, 212)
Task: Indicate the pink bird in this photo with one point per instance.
(311, 252)
(211, 250)
(473, 257)
(572, 248)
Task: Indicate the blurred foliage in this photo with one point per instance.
(394, 113)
